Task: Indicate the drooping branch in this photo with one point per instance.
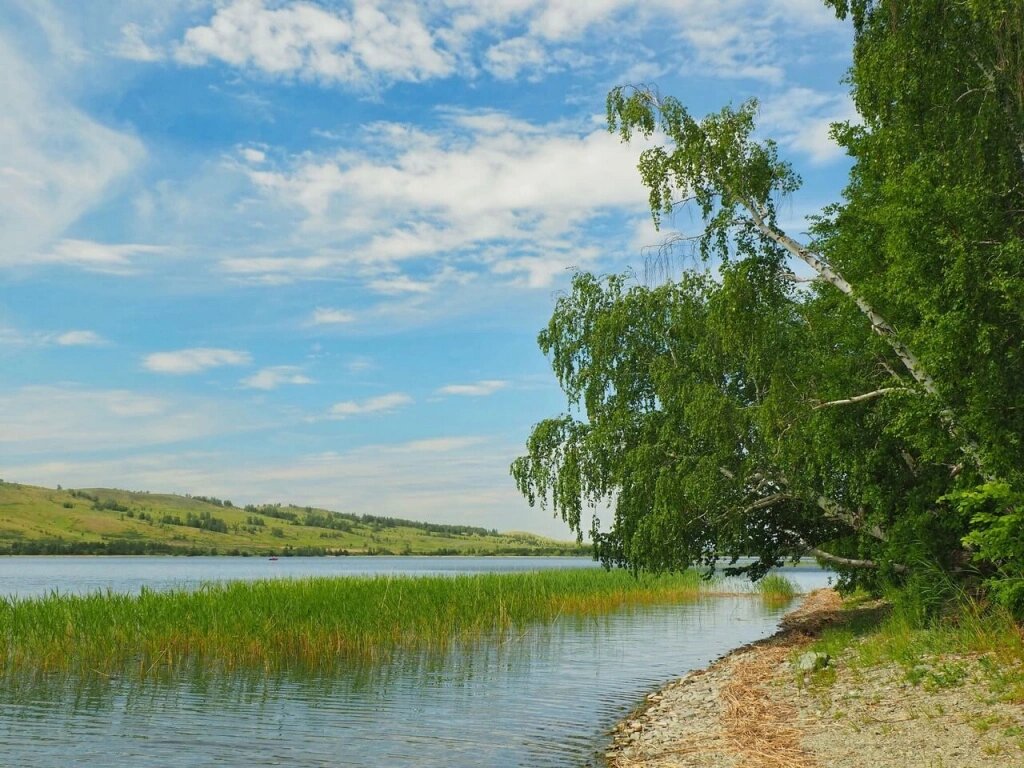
(844, 562)
(767, 501)
(850, 562)
(860, 398)
(833, 510)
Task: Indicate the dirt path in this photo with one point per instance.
(751, 709)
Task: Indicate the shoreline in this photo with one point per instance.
(751, 708)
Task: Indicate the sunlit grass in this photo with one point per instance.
(932, 641)
(306, 623)
(776, 588)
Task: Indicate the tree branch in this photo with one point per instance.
(849, 562)
(861, 398)
(878, 323)
(844, 562)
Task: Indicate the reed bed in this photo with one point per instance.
(308, 623)
(775, 588)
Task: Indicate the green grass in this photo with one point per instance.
(932, 634)
(776, 588)
(309, 623)
(36, 520)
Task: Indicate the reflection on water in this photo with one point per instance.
(543, 698)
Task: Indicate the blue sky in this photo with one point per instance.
(300, 252)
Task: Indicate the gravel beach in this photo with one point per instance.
(754, 709)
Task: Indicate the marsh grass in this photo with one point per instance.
(776, 588)
(307, 623)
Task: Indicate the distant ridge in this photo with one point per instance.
(36, 520)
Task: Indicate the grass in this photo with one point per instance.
(776, 588)
(35, 520)
(932, 635)
(309, 623)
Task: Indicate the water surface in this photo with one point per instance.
(29, 576)
(39, 575)
(541, 699)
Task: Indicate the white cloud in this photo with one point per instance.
(275, 376)
(485, 178)
(396, 285)
(479, 389)
(371, 42)
(801, 118)
(108, 258)
(133, 46)
(57, 162)
(360, 365)
(193, 360)
(510, 57)
(252, 155)
(80, 339)
(380, 404)
(13, 337)
(329, 316)
(383, 41)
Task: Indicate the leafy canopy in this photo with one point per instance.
(865, 417)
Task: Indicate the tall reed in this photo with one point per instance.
(307, 622)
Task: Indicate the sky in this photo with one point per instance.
(279, 251)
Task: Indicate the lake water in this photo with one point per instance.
(545, 698)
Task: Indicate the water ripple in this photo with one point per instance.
(545, 699)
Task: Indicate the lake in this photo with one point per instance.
(544, 698)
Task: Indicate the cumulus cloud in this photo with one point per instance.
(366, 43)
(380, 404)
(373, 42)
(274, 376)
(253, 155)
(484, 178)
(194, 360)
(801, 119)
(479, 389)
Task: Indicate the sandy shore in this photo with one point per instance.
(753, 709)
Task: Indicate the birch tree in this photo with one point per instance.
(757, 413)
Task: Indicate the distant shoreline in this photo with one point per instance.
(109, 521)
(291, 554)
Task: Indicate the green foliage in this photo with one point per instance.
(996, 515)
(730, 412)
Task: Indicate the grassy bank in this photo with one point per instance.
(937, 637)
(104, 521)
(310, 623)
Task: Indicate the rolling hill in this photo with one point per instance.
(35, 520)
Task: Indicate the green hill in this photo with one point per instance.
(36, 520)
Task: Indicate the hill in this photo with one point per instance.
(35, 520)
